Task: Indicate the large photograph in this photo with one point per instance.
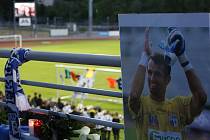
(24, 9)
(164, 72)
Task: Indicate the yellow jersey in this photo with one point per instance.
(163, 120)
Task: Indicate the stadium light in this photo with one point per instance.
(90, 15)
(35, 24)
(14, 19)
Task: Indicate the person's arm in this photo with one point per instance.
(199, 96)
(137, 84)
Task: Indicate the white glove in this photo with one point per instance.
(176, 44)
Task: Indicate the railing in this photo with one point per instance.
(70, 88)
(89, 59)
(74, 117)
(100, 60)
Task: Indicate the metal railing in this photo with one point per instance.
(100, 60)
(71, 116)
(89, 59)
(70, 88)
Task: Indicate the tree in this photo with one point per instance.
(6, 10)
(107, 10)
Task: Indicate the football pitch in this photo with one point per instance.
(46, 71)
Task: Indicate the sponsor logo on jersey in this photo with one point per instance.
(173, 120)
(153, 121)
(161, 135)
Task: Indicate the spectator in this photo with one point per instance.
(116, 131)
(75, 111)
(46, 105)
(85, 113)
(108, 117)
(29, 99)
(92, 113)
(67, 109)
(34, 100)
(39, 101)
(60, 105)
(100, 128)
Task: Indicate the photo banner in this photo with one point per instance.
(195, 29)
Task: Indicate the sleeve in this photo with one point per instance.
(134, 107)
(183, 102)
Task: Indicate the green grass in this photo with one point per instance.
(109, 47)
(46, 72)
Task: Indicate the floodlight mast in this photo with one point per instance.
(90, 15)
(34, 25)
(14, 18)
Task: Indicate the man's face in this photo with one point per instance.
(157, 79)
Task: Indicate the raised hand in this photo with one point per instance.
(176, 41)
(147, 47)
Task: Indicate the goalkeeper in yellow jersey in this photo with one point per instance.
(158, 118)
